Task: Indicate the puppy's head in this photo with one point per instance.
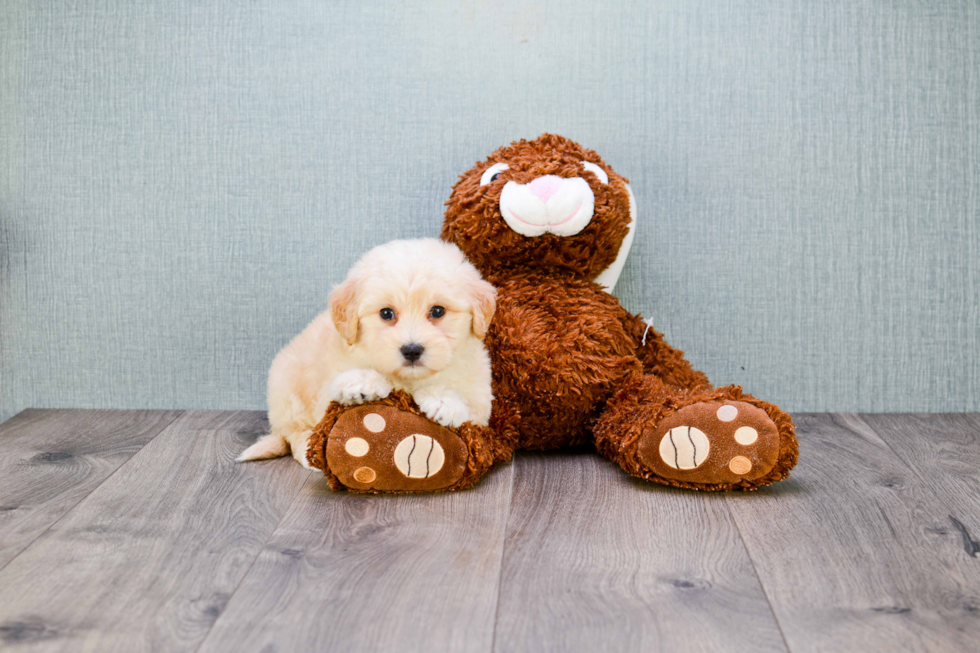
(407, 306)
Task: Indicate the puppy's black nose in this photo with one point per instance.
(412, 352)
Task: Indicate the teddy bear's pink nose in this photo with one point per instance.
(545, 187)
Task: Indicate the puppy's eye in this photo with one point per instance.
(436, 312)
(491, 173)
(597, 171)
(387, 314)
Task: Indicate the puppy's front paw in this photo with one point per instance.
(446, 408)
(359, 386)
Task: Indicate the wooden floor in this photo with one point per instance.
(129, 531)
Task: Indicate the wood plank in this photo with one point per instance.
(149, 559)
(854, 551)
(596, 561)
(944, 450)
(349, 572)
(52, 459)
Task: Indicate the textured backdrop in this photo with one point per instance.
(181, 183)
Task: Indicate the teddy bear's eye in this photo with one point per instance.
(490, 174)
(597, 171)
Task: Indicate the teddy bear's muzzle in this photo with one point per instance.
(548, 205)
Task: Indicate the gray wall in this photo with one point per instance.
(181, 183)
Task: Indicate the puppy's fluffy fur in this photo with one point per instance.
(351, 354)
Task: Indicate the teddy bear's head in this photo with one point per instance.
(547, 204)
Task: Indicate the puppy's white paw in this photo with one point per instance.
(359, 386)
(300, 457)
(446, 407)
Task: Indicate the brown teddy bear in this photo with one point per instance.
(549, 224)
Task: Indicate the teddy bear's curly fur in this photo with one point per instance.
(572, 367)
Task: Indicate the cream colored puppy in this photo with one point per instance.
(411, 315)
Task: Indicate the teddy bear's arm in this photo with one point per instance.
(661, 359)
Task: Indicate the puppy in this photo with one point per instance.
(411, 315)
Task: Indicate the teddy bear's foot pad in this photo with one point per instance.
(378, 448)
(712, 442)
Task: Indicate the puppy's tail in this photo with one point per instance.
(268, 446)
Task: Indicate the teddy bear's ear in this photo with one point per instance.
(484, 302)
(343, 309)
(608, 277)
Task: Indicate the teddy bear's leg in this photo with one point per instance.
(390, 446)
(701, 438)
(662, 360)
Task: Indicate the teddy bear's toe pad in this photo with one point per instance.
(712, 442)
(380, 448)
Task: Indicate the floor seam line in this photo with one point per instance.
(907, 464)
(163, 428)
(923, 481)
(503, 551)
(758, 577)
(251, 565)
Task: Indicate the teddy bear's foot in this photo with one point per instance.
(712, 443)
(379, 448)
(388, 445)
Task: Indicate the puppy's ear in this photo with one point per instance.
(343, 309)
(484, 298)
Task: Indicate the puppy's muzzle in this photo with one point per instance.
(412, 352)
